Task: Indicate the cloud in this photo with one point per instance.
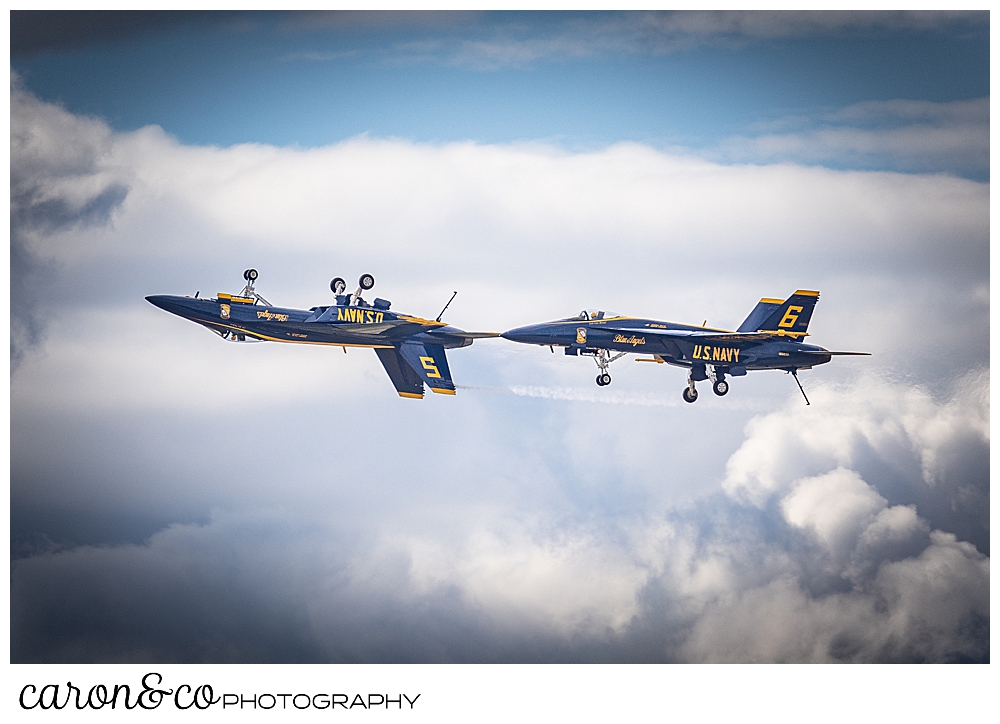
(55, 185)
(316, 56)
(900, 134)
(921, 451)
(937, 611)
(202, 501)
(498, 41)
(833, 573)
(52, 31)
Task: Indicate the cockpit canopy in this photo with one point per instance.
(591, 314)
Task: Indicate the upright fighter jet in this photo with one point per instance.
(769, 339)
(410, 348)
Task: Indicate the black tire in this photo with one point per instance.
(333, 284)
(605, 379)
(250, 275)
(720, 388)
(367, 281)
(600, 382)
(689, 395)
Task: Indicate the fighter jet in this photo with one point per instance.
(410, 348)
(769, 339)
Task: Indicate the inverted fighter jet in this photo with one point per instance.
(769, 339)
(410, 348)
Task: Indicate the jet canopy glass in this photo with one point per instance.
(592, 314)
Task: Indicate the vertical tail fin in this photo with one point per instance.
(764, 309)
(791, 316)
(406, 381)
(429, 362)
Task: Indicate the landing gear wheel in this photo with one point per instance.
(604, 379)
(250, 275)
(720, 388)
(337, 281)
(689, 394)
(367, 281)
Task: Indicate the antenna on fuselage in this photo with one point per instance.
(438, 318)
(794, 372)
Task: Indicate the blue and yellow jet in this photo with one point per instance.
(410, 348)
(769, 339)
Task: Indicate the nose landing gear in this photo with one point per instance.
(603, 358)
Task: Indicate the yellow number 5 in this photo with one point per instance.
(428, 363)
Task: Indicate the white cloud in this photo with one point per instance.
(513, 43)
(906, 425)
(836, 506)
(899, 134)
(497, 527)
(944, 618)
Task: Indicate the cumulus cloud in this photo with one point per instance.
(298, 512)
(921, 452)
(832, 573)
(61, 178)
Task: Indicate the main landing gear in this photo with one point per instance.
(719, 385)
(249, 292)
(603, 358)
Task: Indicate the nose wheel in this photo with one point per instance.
(603, 358)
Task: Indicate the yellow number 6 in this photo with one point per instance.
(790, 319)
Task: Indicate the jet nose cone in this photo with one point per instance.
(532, 334)
(514, 335)
(170, 303)
(158, 300)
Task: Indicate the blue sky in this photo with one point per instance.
(178, 498)
(576, 78)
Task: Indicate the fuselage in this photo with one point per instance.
(341, 325)
(678, 344)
